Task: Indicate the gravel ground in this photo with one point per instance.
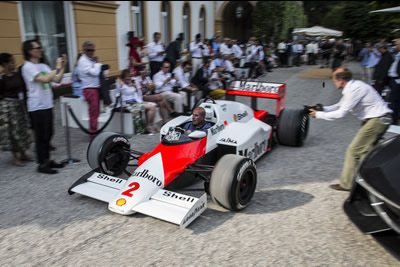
(294, 218)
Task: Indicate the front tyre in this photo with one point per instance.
(233, 182)
(109, 152)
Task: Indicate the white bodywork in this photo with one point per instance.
(233, 125)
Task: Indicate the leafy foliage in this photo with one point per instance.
(316, 10)
(293, 17)
(354, 19)
(277, 19)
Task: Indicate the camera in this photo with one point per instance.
(317, 107)
(105, 67)
(172, 75)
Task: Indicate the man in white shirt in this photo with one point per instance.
(224, 62)
(164, 82)
(156, 54)
(182, 73)
(310, 53)
(226, 47)
(255, 60)
(89, 73)
(37, 77)
(236, 49)
(197, 52)
(365, 102)
(282, 53)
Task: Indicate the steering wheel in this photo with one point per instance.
(179, 129)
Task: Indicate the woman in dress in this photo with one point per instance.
(14, 124)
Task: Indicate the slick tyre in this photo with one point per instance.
(233, 182)
(292, 127)
(109, 152)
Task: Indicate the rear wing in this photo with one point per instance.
(255, 89)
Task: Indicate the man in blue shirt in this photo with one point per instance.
(198, 122)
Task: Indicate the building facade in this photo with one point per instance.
(63, 26)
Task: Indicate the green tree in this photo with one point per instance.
(277, 19)
(315, 10)
(293, 17)
(267, 19)
(354, 19)
(334, 18)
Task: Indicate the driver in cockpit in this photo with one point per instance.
(198, 122)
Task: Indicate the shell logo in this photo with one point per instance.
(235, 117)
(121, 202)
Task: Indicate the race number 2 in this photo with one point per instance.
(135, 186)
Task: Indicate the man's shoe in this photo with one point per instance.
(47, 170)
(54, 164)
(26, 157)
(338, 187)
(18, 163)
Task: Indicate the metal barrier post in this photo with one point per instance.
(68, 160)
(122, 117)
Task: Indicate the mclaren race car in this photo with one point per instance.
(223, 157)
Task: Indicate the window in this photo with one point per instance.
(138, 19)
(186, 24)
(165, 27)
(202, 23)
(44, 20)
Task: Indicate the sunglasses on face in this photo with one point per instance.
(39, 47)
(90, 50)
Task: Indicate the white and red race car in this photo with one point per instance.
(223, 157)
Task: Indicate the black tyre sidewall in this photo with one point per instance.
(110, 145)
(292, 127)
(95, 147)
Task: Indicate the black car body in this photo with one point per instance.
(374, 201)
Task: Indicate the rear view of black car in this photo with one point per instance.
(374, 201)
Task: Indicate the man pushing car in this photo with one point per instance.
(364, 101)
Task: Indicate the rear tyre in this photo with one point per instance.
(233, 182)
(109, 152)
(292, 127)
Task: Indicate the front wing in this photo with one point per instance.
(165, 205)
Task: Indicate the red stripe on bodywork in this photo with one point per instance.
(177, 157)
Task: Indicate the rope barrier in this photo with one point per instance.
(102, 128)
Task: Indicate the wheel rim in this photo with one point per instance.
(115, 160)
(246, 187)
